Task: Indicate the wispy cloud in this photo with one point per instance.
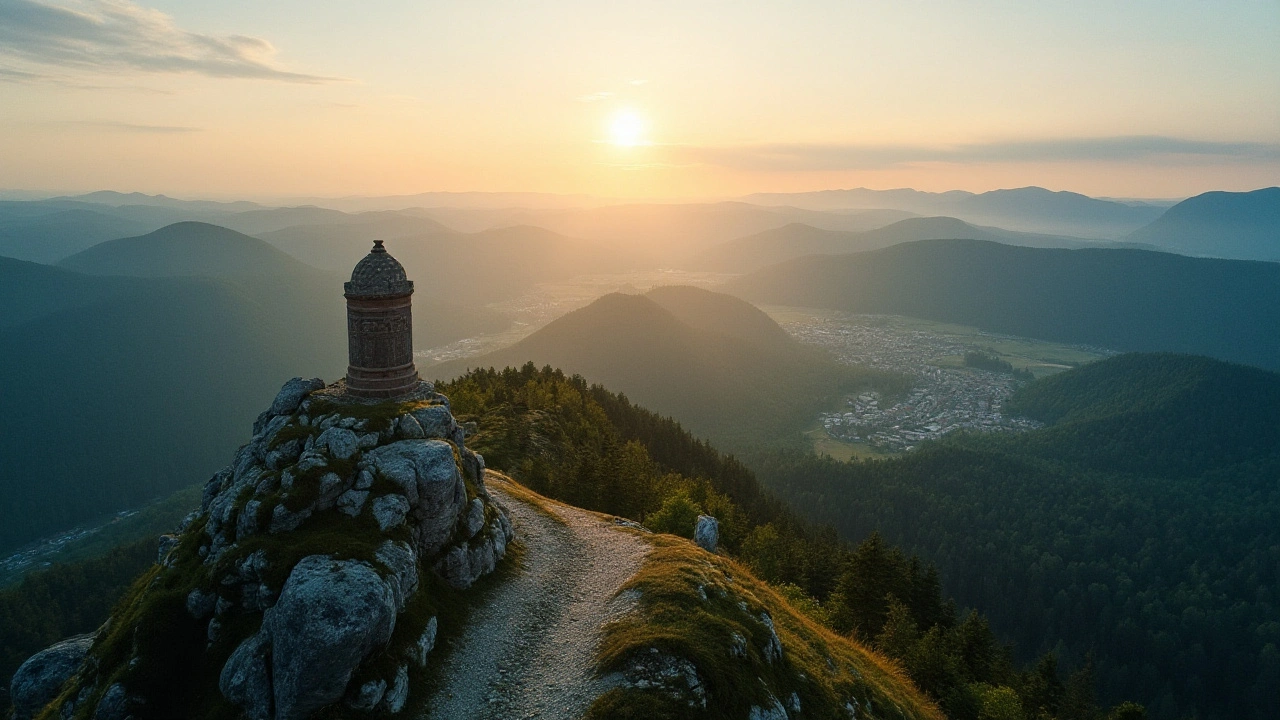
(595, 97)
(110, 35)
(17, 76)
(116, 126)
(819, 157)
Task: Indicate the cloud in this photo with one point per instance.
(16, 76)
(117, 126)
(801, 157)
(595, 97)
(110, 35)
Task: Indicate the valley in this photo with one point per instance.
(945, 395)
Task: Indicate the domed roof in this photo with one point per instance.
(378, 275)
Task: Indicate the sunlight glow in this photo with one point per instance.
(626, 128)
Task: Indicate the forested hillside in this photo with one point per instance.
(1122, 299)
(593, 448)
(1140, 526)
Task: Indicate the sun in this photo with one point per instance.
(626, 128)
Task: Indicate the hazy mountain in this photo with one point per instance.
(466, 268)
(186, 248)
(338, 247)
(1034, 209)
(51, 235)
(714, 364)
(1029, 209)
(1148, 500)
(1122, 299)
(797, 240)
(663, 234)
(1243, 226)
(719, 313)
(125, 358)
(485, 200)
(310, 298)
(116, 199)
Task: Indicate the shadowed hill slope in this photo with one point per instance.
(29, 290)
(155, 374)
(1123, 299)
(735, 385)
(1243, 226)
(53, 234)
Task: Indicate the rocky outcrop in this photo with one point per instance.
(39, 679)
(706, 533)
(330, 616)
(659, 672)
(304, 565)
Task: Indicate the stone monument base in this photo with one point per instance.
(383, 382)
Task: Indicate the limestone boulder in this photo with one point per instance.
(706, 533)
(39, 679)
(402, 570)
(293, 393)
(245, 678)
(330, 616)
(436, 421)
(398, 693)
(390, 510)
(427, 475)
(421, 650)
(339, 442)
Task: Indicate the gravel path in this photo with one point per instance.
(528, 651)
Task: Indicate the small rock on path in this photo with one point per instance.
(529, 649)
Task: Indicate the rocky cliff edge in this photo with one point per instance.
(312, 582)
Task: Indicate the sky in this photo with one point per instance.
(654, 99)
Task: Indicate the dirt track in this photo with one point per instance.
(528, 650)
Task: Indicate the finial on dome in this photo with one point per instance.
(377, 247)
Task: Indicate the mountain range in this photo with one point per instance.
(1029, 209)
(1120, 299)
(797, 240)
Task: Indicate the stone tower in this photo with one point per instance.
(380, 327)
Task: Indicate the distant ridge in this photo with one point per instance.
(1121, 299)
(1028, 209)
(797, 240)
(1242, 226)
(185, 248)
